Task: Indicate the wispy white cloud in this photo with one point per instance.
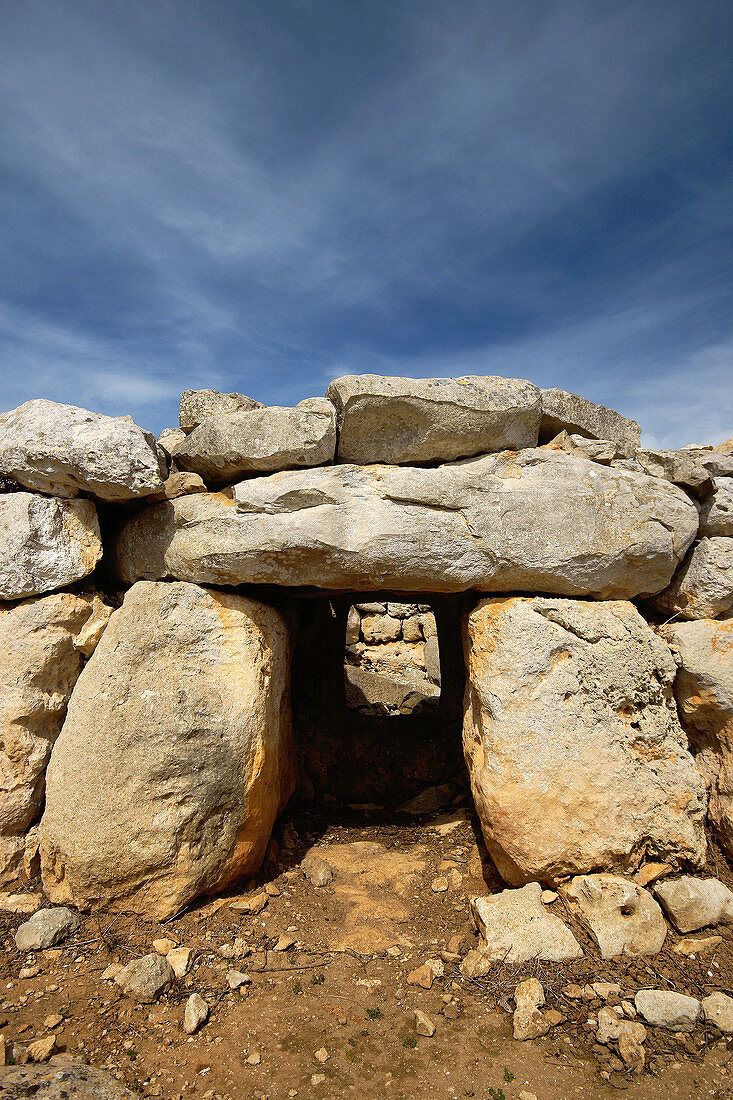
(262, 197)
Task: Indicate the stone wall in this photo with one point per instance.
(152, 591)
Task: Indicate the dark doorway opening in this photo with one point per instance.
(354, 756)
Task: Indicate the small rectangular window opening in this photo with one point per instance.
(391, 658)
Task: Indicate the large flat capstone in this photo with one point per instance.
(409, 420)
(175, 756)
(537, 520)
(64, 450)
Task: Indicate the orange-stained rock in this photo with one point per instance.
(43, 643)
(176, 754)
(577, 759)
(704, 691)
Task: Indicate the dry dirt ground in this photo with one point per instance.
(341, 988)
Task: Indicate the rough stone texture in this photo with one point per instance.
(45, 928)
(180, 483)
(169, 439)
(716, 513)
(718, 461)
(562, 411)
(679, 467)
(718, 1010)
(223, 448)
(624, 918)
(702, 588)
(147, 978)
(45, 543)
(575, 752)
(599, 450)
(663, 1008)
(692, 903)
(199, 405)
(409, 420)
(534, 521)
(704, 692)
(175, 756)
(528, 1022)
(43, 643)
(64, 1078)
(515, 927)
(195, 1014)
(63, 450)
(389, 665)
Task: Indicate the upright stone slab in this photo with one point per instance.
(410, 420)
(45, 543)
(539, 520)
(224, 448)
(576, 756)
(64, 450)
(43, 643)
(175, 756)
(567, 412)
(704, 691)
(702, 587)
(716, 513)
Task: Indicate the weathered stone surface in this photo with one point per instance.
(175, 756)
(515, 926)
(692, 903)
(534, 521)
(45, 543)
(195, 1014)
(180, 483)
(663, 1008)
(718, 1010)
(43, 643)
(528, 1022)
(718, 461)
(624, 918)
(702, 588)
(704, 692)
(199, 405)
(147, 978)
(45, 928)
(562, 411)
(262, 440)
(63, 450)
(574, 748)
(599, 450)
(169, 439)
(63, 1078)
(716, 513)
(411, 420)
(679, 467)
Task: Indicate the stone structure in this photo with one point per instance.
(146, 688)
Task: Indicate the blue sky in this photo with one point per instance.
(259, 197)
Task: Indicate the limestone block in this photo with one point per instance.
(45, 543)
(702, 588)
(624, 918)
(704, 691)
(43, 642)
(575, 752)
(562, 411)
(175, 756)
(224, 448)
(411, 420)
(199, 405)
(63, 450)
(716, 513)
(536, 521)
